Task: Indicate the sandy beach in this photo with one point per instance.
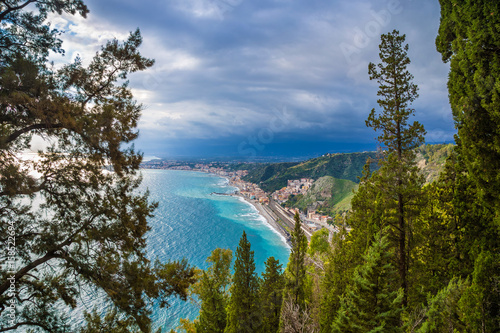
(269, 216)
(264, 211)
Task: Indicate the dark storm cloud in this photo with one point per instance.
(223, 68)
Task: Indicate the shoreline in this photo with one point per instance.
(268, 218)
(271, 221)
(263, 212)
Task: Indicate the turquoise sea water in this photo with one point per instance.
(190, 222)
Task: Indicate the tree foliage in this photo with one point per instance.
(468, 40)
(28, 33)
(295, 274)
(271, 295)
(372, 301)
(294, 291)
(244, 312)
(212, 290)
(319, 242)
(77, 227)
(392, 193)
(340, 264)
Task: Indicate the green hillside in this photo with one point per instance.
(336, 176)
(272, 177)
(328, 195)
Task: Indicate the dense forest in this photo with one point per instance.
(411, 255)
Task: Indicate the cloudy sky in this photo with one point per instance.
(249, 78)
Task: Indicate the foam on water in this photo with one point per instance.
(262, 220)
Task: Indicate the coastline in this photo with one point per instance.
(263, 212)
(266, 214)
(271, 221)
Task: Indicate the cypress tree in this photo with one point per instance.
(271, 295)
(468, 40)
(244, 308)
(212, 292)
(372, 302)
(295, 275)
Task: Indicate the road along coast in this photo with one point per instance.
(280, 220)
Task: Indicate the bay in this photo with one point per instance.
(190, 222)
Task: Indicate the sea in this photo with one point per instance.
(191, 221)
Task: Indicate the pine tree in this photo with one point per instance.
(394, 191)
(244, 313)
(271, 295)
(89, 233)
(372, 302)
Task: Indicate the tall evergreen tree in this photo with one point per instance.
(393, 191)
(372, 302)
(295, 274)
(294, 291)
(339, 266)
(271, 295)
(468, 40)
(244, 313)
(212, 317)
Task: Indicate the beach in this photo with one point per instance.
(270, 217)
(265, 212)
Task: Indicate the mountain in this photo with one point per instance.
(336, 176)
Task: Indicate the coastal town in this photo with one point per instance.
(270, 205)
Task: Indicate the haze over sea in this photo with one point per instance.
(190, 223)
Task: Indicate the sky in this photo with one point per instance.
(253, 78)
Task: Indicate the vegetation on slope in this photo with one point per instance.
(328, 195)
(432, 158)
(331, 195)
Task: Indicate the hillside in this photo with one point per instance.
(272, 177)
(431, 159)
(328, 196)
(336, 176)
